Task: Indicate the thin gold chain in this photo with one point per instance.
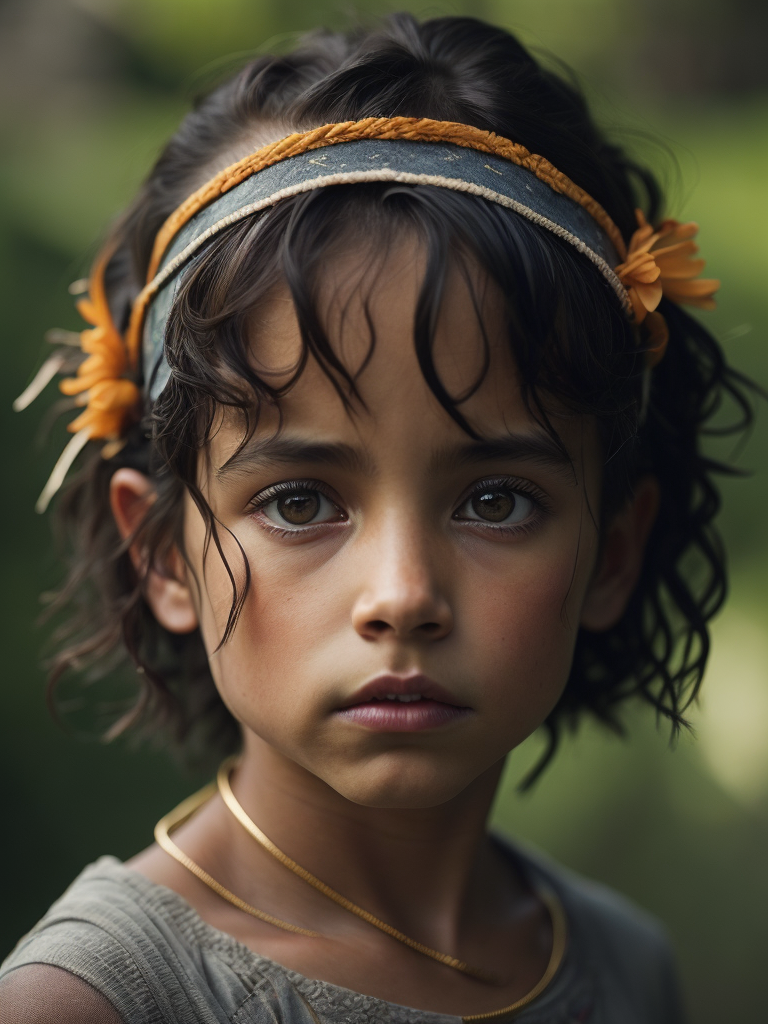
(188, 807)
(559, 942)
(183, 813)
(232, 803)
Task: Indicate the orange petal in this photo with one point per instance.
(684, 269)
(640, 243)
(100, 425)
(692, 293)
(701, 287)
(73, 385)
(103, 339)
(678, 248)
(638, 309)
(110, 404)
(85, 419)
(87, 310)
(640, 267)
(646, 273)
(97, 295)
(114, 395)
(93, 370)
(643, 238)
(649, 294)
(678, 230)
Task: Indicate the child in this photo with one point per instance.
(391, 456)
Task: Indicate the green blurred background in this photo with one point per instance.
(90, 89)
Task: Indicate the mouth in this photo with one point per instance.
(402, 703)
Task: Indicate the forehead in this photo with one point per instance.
(368, 309)
(374, 321)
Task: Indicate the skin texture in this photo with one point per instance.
(398, 572)
(41, 994)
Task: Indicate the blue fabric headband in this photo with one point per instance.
(657, 262)
(444, 165)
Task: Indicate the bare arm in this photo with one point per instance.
(41, 994)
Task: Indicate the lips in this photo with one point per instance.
(402, 703)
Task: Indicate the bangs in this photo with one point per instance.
(565, 331)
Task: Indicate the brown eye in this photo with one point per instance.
(497, 504)
(299, 509)
(493, 506)
(298, 506)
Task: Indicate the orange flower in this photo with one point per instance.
(661, 262)
(110, 398)
(110, 404)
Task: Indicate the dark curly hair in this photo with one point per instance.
(569, 339)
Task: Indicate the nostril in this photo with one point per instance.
(378, 625)
(430, 628)
(403, 623)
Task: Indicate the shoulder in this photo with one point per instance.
(607, 915)
(610, 918)
(137, 945)
(625, 947)
(118, 947)
(39, 993)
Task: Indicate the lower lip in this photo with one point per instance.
(401, 716)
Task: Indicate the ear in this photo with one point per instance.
(165, 587)
(621, 558)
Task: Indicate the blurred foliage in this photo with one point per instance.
(90, 89)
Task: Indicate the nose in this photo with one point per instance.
(400, 596)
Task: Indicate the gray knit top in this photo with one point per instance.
(157, 962)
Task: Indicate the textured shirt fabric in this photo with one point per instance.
(157, 962)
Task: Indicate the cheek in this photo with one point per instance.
(289, 618)
(525, 607)
(523, 619)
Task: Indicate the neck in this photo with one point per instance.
(395, 862)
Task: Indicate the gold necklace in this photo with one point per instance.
(179, 815)
(183, 813)
(229, 798)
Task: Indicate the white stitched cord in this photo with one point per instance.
(405, 177)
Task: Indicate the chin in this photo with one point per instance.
(397, 782)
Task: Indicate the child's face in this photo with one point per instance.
(388, 542)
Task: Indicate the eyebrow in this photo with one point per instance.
(538, 448)
(282, 450)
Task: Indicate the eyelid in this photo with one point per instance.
(267, 494)
(511, 483)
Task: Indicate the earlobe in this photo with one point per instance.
(166, 590)
(621, 558)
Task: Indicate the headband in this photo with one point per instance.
(459, 157)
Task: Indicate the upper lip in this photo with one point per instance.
(409, 685)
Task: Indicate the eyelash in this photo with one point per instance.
(265, 497)
(542, 506)
(541, 503)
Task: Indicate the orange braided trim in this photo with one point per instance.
(415, 129)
